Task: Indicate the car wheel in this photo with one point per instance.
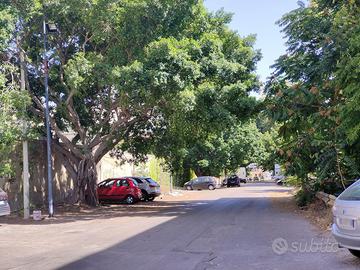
(354, 252)
(150, 198)
(188, 188)
(130, 199)
(211, 187)
(144, 196)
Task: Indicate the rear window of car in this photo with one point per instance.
(1, 190)
(352, 193)
(104, 183)
(150, 181)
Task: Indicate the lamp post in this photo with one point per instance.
(48, 28)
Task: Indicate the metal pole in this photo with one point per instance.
(48, 133)
(25, 145)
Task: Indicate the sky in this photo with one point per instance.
(258, 17)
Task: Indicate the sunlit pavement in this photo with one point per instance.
(235, 228)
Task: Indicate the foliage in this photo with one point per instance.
(152, 81)
(13, 102)
(202, 128)
(312, 93)
(303, 198)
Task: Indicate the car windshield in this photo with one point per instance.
(352, 193)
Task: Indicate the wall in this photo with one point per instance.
(62, 184)
(109, 167)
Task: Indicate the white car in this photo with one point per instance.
(346, 211)
(150, 189)
(4, 205)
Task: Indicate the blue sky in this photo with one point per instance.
(258, 17)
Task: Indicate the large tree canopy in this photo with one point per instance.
(121, 72)
(205, 121)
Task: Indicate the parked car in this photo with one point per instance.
(150, 189)
(346, 226)
(203, 182)
(119, 189)
(243, 180)
(4, 204)
(232, 181)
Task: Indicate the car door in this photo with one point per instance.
(205, 182)
(195, 183)
(103, 189)
(121, 188)
(109, 190)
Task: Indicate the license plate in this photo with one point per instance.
(2, 203)
(347, 223)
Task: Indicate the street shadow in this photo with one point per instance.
(213, 235)
(177, 244)
(70, 213)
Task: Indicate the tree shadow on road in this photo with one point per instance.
(66, 214)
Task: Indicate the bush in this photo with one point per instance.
(303, 198)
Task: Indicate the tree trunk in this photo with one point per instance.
(86, 182)
(199, 172)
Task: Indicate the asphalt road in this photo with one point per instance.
(236, 228)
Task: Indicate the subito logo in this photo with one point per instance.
(280, 246)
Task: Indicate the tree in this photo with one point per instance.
(111, 74)
(227, 151)
(12, 101)
(196, 127)
(117, 80)
(199, 131)
(307, 97)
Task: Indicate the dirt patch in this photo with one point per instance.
(318, 213)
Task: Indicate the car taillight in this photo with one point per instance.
(152, 186)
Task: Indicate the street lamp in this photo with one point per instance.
(48, 28)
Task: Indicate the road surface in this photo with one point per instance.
(236, 228)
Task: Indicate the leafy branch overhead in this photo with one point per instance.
(313, 94)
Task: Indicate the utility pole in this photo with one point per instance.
(47, 118)
(26, 191)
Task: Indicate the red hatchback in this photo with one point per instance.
(119, 189)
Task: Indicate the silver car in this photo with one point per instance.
(150, 189)
(4, 205)
(346, 211)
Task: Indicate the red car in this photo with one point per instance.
(119, 189)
